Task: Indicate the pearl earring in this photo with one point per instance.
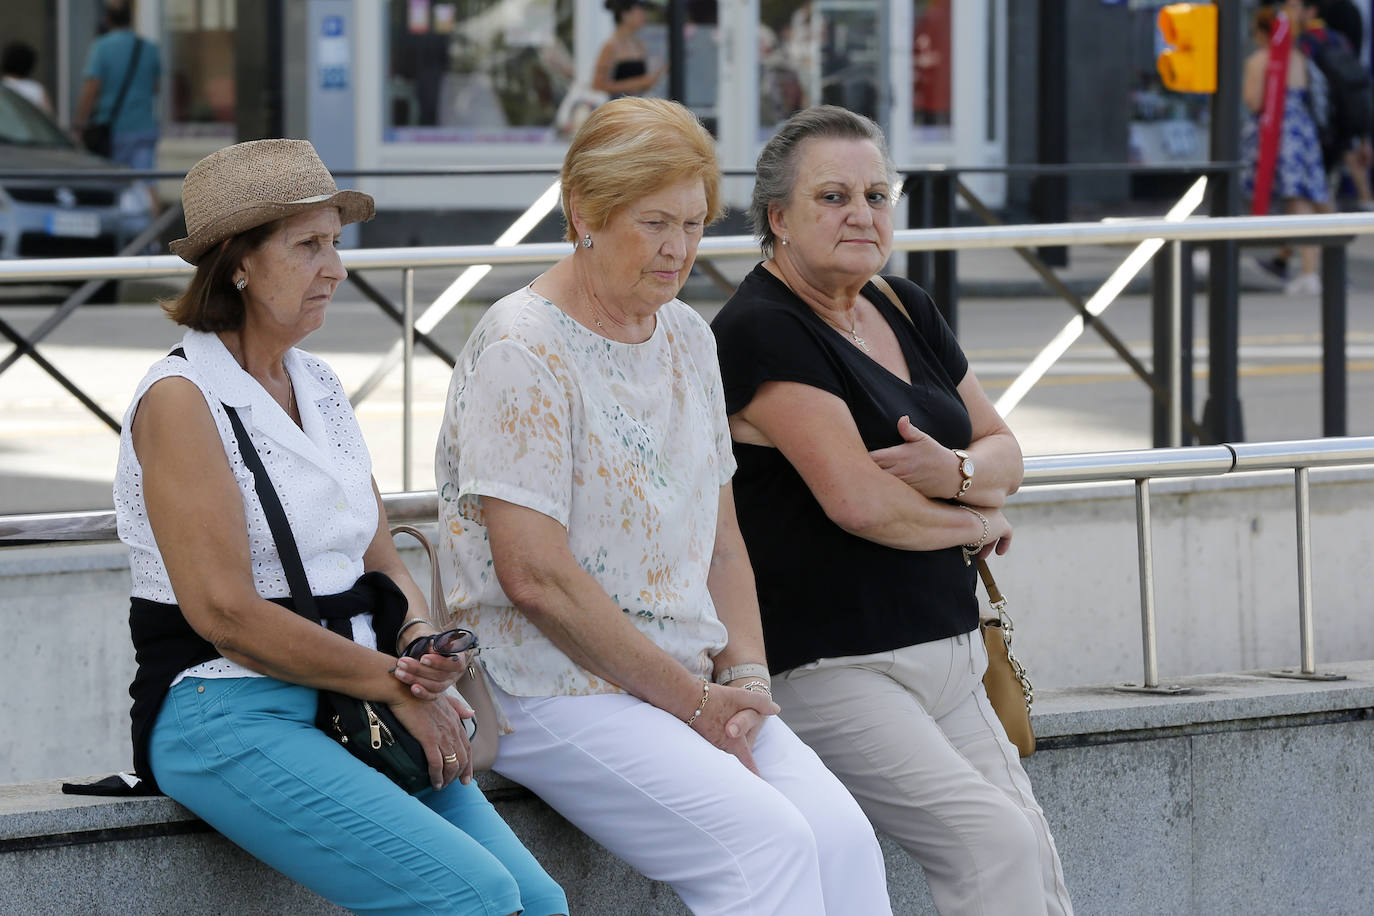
(240, 283)
(587, 240)
(784, 240)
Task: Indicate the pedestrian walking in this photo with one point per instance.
(116, 111)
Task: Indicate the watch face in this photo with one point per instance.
(966, 467)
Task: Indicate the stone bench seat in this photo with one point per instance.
(1248, 794)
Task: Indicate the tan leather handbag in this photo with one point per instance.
(1008, 687)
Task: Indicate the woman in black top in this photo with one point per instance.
(622, 67)
(872, 467)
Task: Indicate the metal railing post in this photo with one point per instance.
(944, 286)
(1175, 367)
(1146, 558)
(1166, 290)
(407, 368)
(1333, 299)
(1148, 635)
(1302, 500)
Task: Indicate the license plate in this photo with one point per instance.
(73, 225)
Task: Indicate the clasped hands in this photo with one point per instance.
(732, 718)
(434, 714)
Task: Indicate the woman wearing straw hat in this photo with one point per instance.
(228, 677)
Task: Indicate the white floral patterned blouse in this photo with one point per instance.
(625, 445)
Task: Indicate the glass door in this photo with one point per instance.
(821, 52)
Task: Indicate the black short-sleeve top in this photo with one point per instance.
(824, 592)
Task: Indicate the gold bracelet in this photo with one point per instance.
(705, 695)
(971, 550)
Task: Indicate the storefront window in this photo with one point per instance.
(199, 57)
(931, 71)
(827, 52)
(479, 70)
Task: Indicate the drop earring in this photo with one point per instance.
(784, 240)
(587, 240)
(240, 283)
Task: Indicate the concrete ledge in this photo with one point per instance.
(1248, 795)
(1252, 696)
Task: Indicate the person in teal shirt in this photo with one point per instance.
(133, 129)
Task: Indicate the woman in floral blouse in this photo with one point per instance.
(589, 537)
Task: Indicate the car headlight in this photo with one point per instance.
(133, 200)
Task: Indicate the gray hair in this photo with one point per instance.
(775, 173)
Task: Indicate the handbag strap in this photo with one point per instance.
(994, 594)
(128, 78)
(886, 289)
(303, 600)
(436, 582)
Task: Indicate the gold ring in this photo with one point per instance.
(450, 758)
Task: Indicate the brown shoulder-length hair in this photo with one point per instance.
(632, 147)
(210, 303)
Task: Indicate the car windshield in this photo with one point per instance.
(23, 125)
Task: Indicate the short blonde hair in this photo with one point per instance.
(632, 147)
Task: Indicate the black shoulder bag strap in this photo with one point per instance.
(290, 555)
(302, 598)
(128, 78)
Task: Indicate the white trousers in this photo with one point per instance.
(912, 735)
(641, 783)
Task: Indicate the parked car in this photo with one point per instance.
(63, 215)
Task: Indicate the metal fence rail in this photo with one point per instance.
(960, 238)
(1140, 466)
(1174, 231)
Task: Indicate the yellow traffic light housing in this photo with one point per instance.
(1190, 31)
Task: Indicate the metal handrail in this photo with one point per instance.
(1140, 466)
(1118, 232)
(1068, 169)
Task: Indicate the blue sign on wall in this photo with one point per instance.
(333, 53)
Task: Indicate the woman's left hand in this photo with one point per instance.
(429, 676)
(921, 462)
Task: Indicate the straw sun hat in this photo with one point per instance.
(248, 184)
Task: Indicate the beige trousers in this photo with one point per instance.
(913, 737)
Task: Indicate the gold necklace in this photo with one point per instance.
(853, 329)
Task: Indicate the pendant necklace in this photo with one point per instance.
(853, 330)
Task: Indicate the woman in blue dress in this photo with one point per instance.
(1299, 176)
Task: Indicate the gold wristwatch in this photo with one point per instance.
(965, 471)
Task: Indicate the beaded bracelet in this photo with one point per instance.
(705, 695)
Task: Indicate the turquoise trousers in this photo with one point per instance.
(245, 756)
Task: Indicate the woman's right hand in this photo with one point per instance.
(732, 719)
(438, 726)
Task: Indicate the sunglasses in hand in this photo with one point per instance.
(449, 644)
